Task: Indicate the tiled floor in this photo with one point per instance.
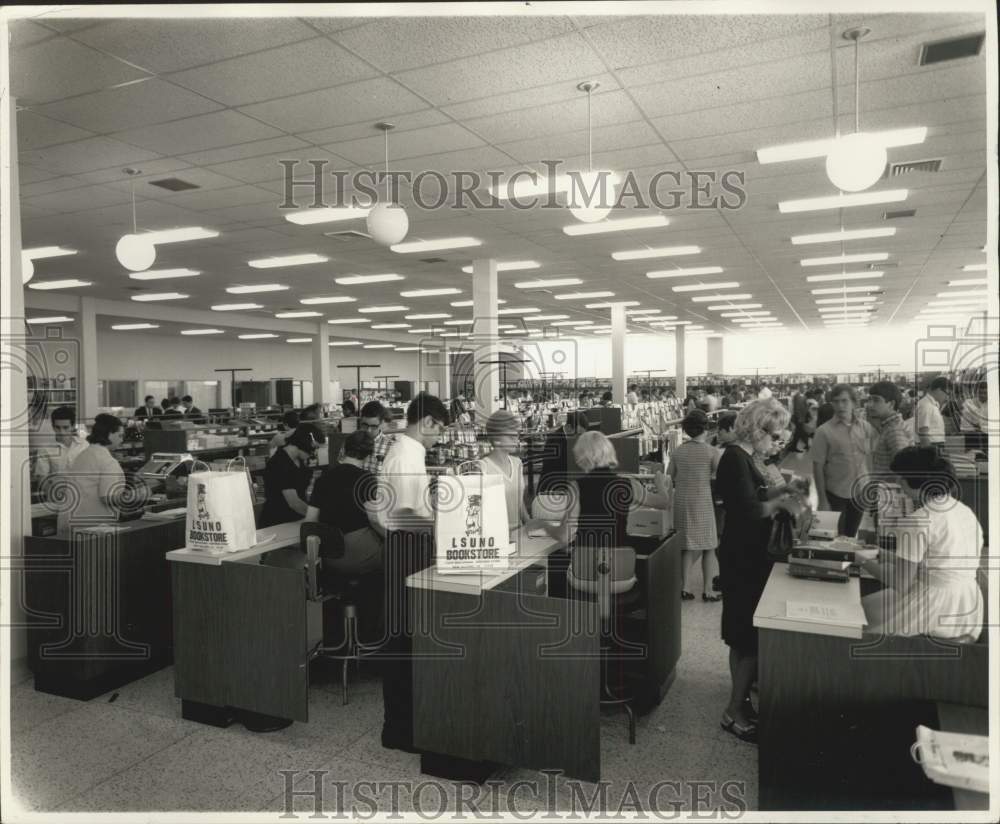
(137, 754)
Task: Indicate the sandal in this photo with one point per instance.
(686, 596)
(706, 597)
(745, 732)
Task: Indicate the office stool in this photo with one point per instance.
(607, 574)
(322, 541)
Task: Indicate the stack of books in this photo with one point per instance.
(820, 564)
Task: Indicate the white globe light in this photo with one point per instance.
(855, 162)
(592, 198)
(387, 223)
(27, 269)
(135, 252)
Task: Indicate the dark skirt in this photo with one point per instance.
(743, 574)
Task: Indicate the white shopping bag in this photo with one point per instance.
(220, 511)
(471, 528)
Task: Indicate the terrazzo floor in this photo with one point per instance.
(136, 753)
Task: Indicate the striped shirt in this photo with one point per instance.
(891, 435)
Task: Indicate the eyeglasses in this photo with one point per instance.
(370, 425)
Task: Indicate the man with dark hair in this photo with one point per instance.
(710, 402)
(289, 421)
(891, 435)
(173, 409)
(52, 460)
(929, 420)
(375, 419)
(310, 413)
(149, 409)
(190, 409)
(633, 394)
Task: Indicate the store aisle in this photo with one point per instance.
(135, 753)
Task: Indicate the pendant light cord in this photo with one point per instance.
(386, 133)
(135, 230)
(590, 134)
(857, 85)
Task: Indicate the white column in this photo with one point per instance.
(486, 344)
(715, 360)
(618, 334)
(86, 383)
(321, 364)
(680, 367)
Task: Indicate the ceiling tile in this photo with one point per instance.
(87, 155)
(171, 45)
(366, 100)
(224, 198)
(266, 168)
(86, 197)
(24, 33)
(68, 25)
(356, 131)
(151, 170)
(205, 131)
(561, 146)
(240, 151)
(291, 69)
(333, 23)
(32, 174)
(35, 131)
(432, 140)
(526, 98)
(138, 104)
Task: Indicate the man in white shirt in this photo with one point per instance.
(55, 459)
(764, 393)
(928, 420)
(975, 414)
(633, 394)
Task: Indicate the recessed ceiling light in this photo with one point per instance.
(251, 290)
(551, 282)
(530, 184)
(340, 321)
(510, 266)
(761, 313)
(969, 282)
(663, 251)
(357, 280)
(524, 310)
(51, 319)
(374, 310)
(257, 336)
(840, 290)
(344, 343)
(298, 340)
(160, 296)
(462, 303)
(329, 299)
(974, 267)
(68, 283)
(844, 300)
(407, 348)
(627, 224)
(825, 310)
(633, 312)
(232, 307)
(656, 318)
(819, 148)
(429, 293)
(707, 298)
(608, 304)
(202, 332)
(721, 306)
(435, 245)
(286, 260)
(162, 274)
(537, 318)
(420, 331)
(860, 258)
(702, 287)
(844, 276)
(583, 295)
(178, 235)
(679, 273)
(842, 201)
(429, 316)
(298, 314)
(308, 217)
(843, 235)
(126, 327)
(468, 322)
(391, 326)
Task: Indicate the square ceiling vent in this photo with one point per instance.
(898, 214)
(906, 167)
(174, 184)
(953, 48)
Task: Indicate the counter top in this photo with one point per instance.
(528, 551)
(273, 537)
(842, 601)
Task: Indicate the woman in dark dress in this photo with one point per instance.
(743, 562)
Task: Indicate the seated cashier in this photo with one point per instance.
(930, 580)
(344, 497)
(96, 477)
(286, 477)
(503, 431)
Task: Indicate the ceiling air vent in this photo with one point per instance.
(951, 49)
(885, 264)
(345, 235)
(898, 213)
(909, 166)
(174, 184)
(432, 260)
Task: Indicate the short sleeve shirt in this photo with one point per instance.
(340, 495)
(282, 473)
(929, 417)
(405, 479)
(843, 450)
(98, 478)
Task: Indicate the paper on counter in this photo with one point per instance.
(822, 613)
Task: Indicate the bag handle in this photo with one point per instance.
(242, 460)
(194, 466)
(916, 752)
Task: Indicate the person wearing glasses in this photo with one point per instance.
(374, 419)
(744, 565)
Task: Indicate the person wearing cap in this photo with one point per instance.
(503, 430)
(286, 477)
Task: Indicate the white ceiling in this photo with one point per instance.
(218, 102)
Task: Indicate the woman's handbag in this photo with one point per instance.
(786, 529)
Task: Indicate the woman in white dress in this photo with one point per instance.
(503, 431)
(930, 580)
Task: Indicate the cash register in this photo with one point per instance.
(164, 467)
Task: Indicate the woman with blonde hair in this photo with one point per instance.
(743, 561)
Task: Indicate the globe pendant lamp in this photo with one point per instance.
(596, 199)
(387, 221)
(856, 161)
(134, 251)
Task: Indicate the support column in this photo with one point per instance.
(86, 383)
(715, 360)
(321, 364)
(485, 335)
(680, 363)
(619, 331)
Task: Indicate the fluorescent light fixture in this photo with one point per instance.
(298, 340)
(257, 336)
(819, 148)
(702, 287)
(844, 300)
(339, 321)
(634, 312)
(344, 343)
(534, 318)
(438, 245)
(722, 306)
(430, 293)
(374, 310)
(39, 252)
(531, 184)
(567, 323)
(178, 235)
(707, 298)
(842, 201)
(330, 299)
(844, 276)
(467, 322)
(420, 331)
(163, 274)
(429, 316)
(974, 267)
(463, 303)
(51, 319)
(451, 334)
(658, 317)
(160, 296)
(679, 273)
(202, 332)
(834, 309)
(391, 326)
(507, 326)
(867, 257)
(524, 310)
(583, 295)
(843, 235)
(68, 283)
(627, 224)
(761, 313)
(307, 217)
(358, 280)
(608, 305)
(840, 290)
(510, 266)
(407, 348)
(251, 290)
(662, 251)
(551, 282)
(673, 323)
(969, 282)
(958, 302)
(126, 327)
(964, 293)
(286, 260)
(232, 307)
(298, 314)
